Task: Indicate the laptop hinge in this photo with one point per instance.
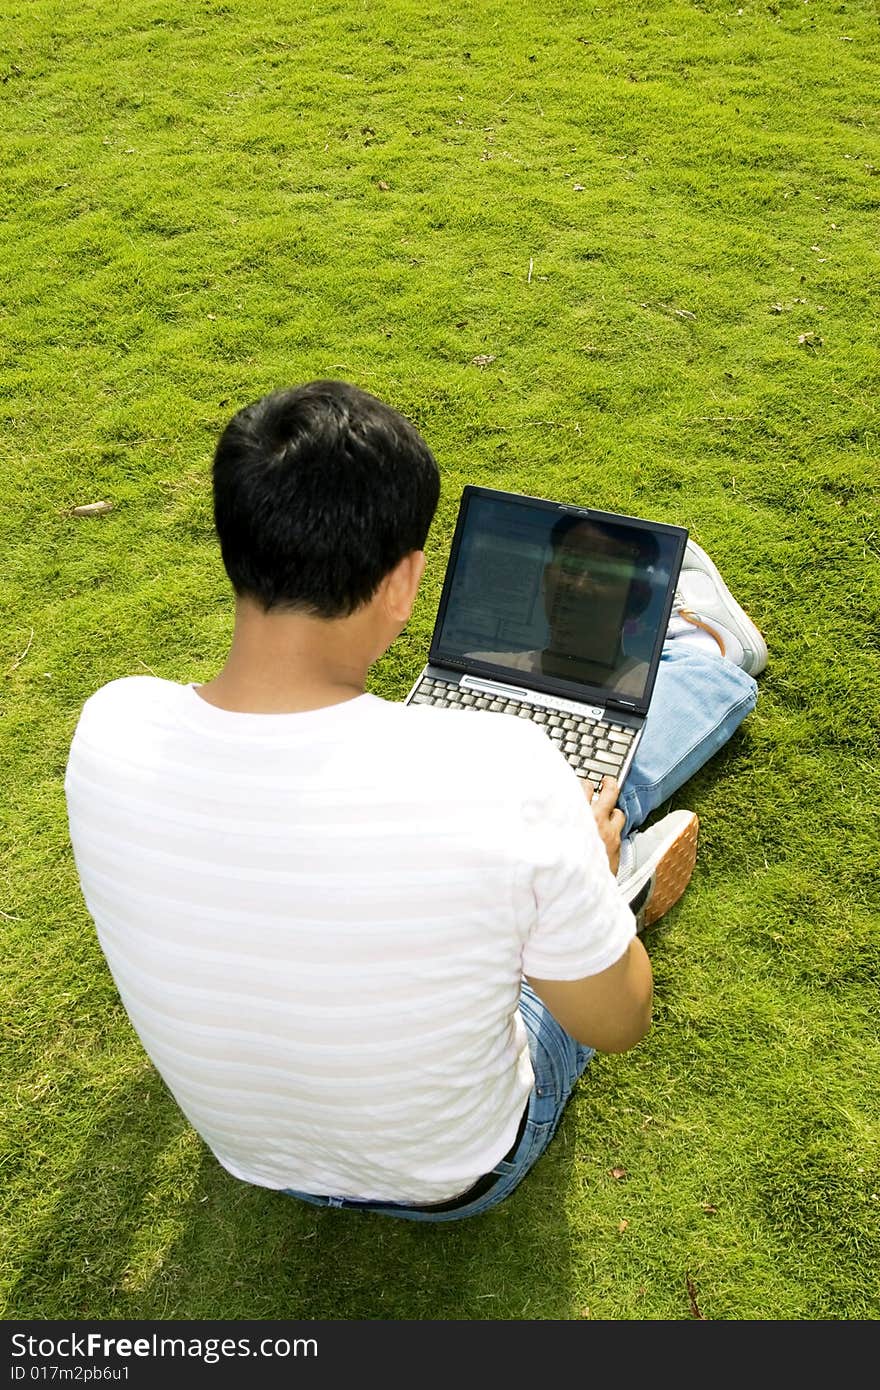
(532, 697)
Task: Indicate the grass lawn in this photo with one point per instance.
(620, 255)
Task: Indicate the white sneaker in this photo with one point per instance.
(704, 600)
(656, 865)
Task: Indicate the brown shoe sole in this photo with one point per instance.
(673, 874)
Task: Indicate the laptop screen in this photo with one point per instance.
(563, 598)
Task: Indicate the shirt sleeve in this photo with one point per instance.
(574, 921)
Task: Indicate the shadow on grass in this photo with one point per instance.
(146, 1224)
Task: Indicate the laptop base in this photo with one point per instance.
(596, 742)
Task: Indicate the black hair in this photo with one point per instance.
(319, 491)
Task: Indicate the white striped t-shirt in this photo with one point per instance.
(318, 923)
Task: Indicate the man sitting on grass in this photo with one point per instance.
(371, 947)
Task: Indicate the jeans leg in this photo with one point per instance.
(699, 700)
(558, 1060)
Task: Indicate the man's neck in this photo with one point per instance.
(287, 663)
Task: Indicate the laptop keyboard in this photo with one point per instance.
(595, 748)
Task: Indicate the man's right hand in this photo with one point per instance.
(609, 818)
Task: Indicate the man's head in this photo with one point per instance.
(319, 492)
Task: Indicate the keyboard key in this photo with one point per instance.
(603, 769)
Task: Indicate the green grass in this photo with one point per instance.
(192, 216)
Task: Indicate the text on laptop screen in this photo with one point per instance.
(559, 594)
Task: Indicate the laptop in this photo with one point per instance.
(557, 614)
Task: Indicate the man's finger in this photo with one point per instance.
(608, 792)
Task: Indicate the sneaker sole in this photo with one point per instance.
(754, 645)
(672, 873)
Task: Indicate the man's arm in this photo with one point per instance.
(610, 1011)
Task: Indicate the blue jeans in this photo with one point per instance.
(698, 702)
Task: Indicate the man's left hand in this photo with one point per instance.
(609, 818)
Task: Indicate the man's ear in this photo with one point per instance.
(402, 584)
